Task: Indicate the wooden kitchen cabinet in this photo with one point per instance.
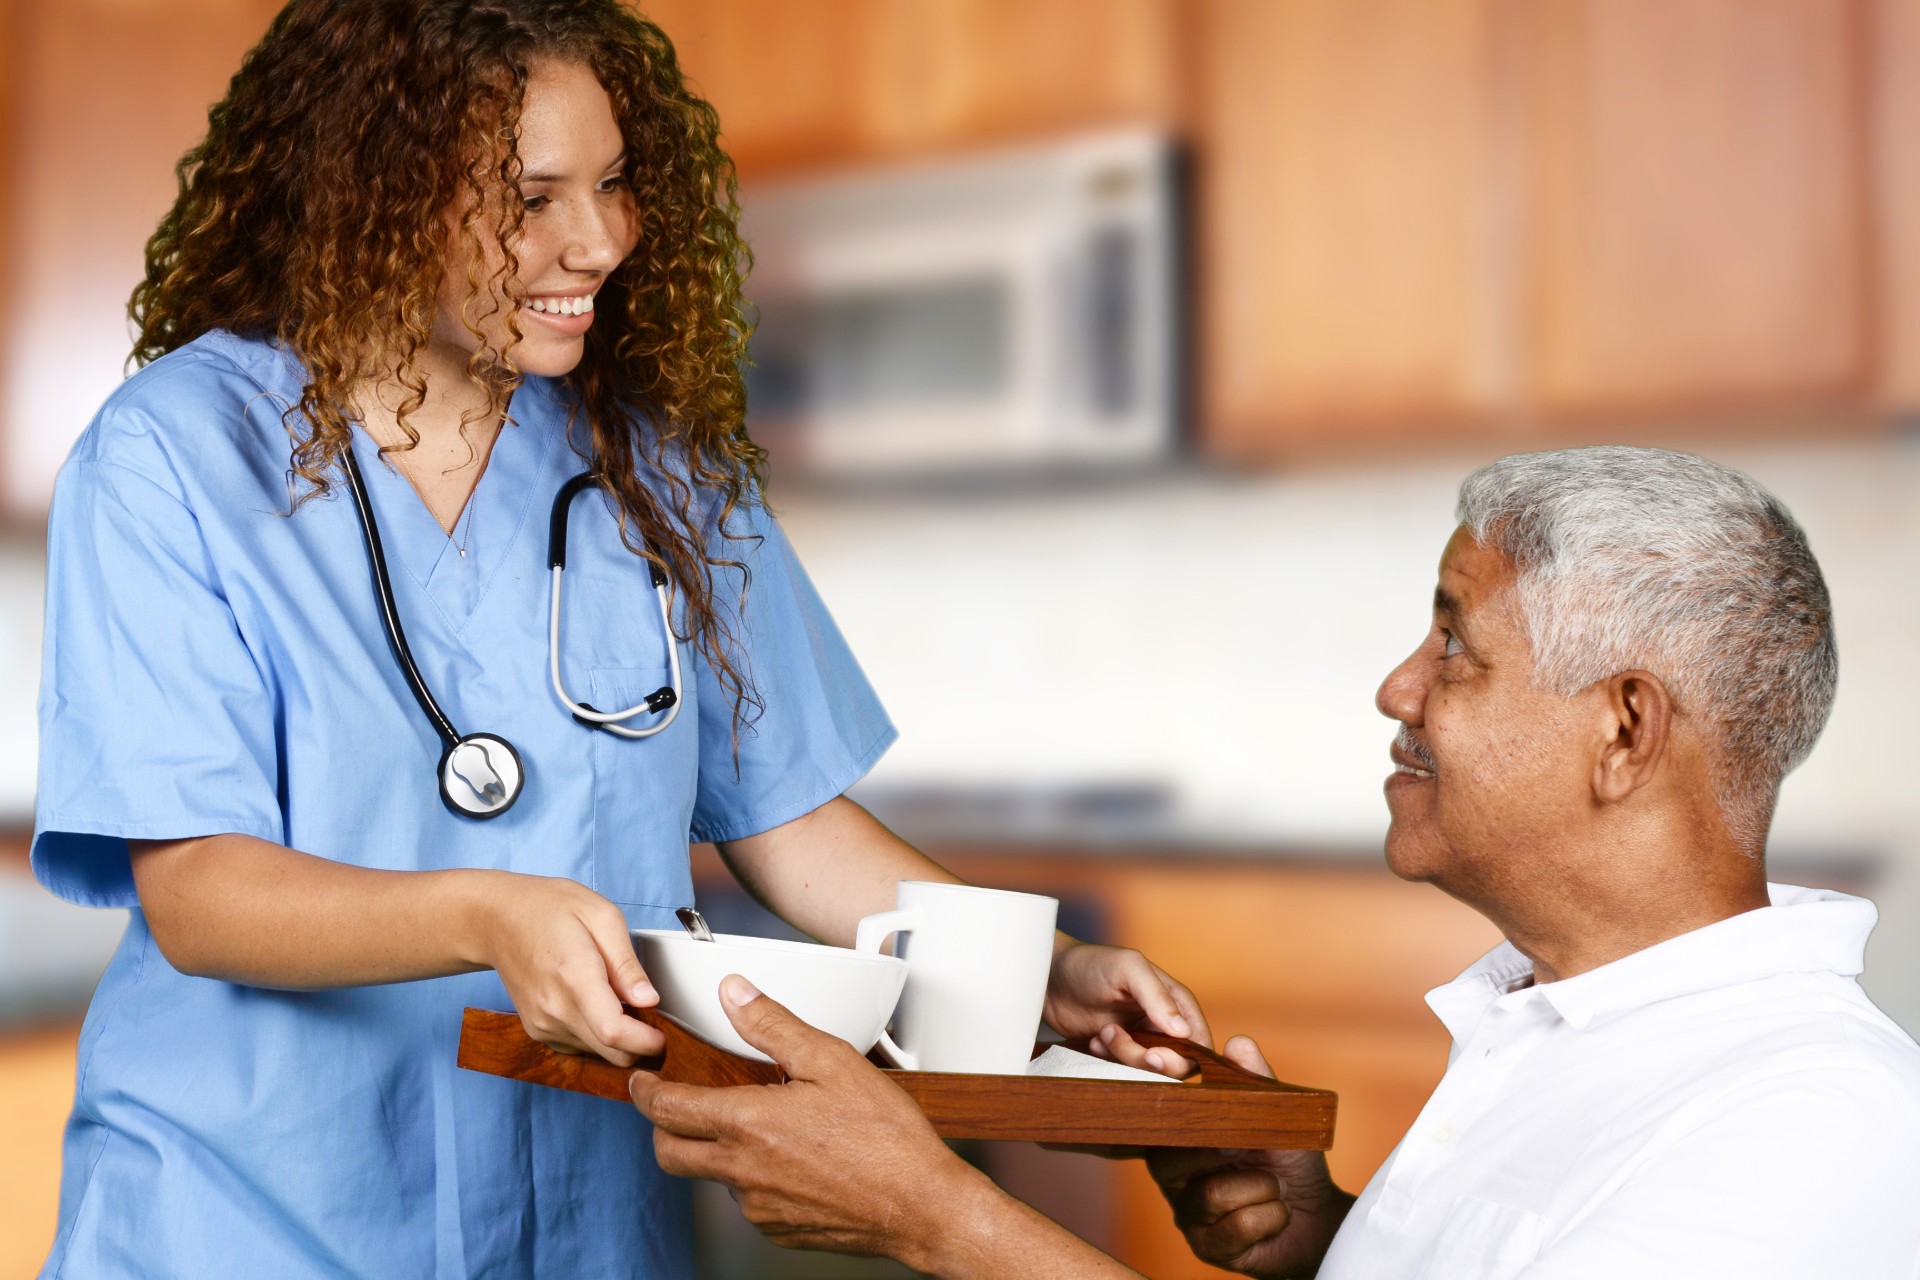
(789, 80)
(100, 100)
(1538, 223)
(1355, 270)
(843, 82)
(1894, 41)
(1698, 184)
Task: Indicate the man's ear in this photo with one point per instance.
(1640, 714)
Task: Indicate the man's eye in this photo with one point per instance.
(1449, 644)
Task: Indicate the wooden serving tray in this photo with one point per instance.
(1224, 1106)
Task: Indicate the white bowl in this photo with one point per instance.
(849, 994)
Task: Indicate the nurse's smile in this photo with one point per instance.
(569, 315)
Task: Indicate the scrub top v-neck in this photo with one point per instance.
(215, 663)
(495, 514)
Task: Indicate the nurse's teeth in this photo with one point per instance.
(563, 306)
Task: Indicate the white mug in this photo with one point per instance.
(977, 966)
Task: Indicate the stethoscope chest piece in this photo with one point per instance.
(480, 776)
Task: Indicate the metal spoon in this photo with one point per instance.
(694, 923)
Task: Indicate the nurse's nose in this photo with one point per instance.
(598, 238)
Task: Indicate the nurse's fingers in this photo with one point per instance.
(572, 1007)
(608, 929)
(1189, 1005)
(1169, 1006)
(1114, 1042)
(613, 1033)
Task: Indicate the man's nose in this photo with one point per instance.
(1403, 694)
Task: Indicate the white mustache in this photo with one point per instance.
(1415, 750)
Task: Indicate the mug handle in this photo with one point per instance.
(871, 932)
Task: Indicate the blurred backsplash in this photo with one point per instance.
(1187, 660)
(1397, 238)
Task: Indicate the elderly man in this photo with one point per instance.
(1667, 1070)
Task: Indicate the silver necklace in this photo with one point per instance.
(466, 512)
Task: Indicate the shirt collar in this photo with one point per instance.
(1800, 931)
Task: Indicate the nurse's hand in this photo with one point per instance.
(567, 962)
(1095, 987)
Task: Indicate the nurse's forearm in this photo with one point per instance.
(250, 911)
(822, 872)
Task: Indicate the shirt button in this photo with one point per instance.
(1441, 1133)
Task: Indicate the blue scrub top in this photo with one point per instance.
(216, 664)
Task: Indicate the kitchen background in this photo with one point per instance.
(1383, 241)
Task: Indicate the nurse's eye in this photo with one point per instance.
(608, 186)
(535, 204)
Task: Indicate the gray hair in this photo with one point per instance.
(1643, 559)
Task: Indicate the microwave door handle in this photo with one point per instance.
(1065, 309)
(1110, 320)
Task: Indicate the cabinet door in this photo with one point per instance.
(964, 72)
(1699, 173)
(1354, 275)
(835, 82)
(1895, 41)
(790, 81)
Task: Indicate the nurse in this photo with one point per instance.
(474, 250)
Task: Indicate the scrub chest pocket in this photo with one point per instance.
(639, 832)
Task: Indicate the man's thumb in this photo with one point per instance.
(1243, 1052)
(764, 1022)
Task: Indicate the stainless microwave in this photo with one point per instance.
(1018, 310)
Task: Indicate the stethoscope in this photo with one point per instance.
(480, 773)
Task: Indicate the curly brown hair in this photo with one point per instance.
(315, 213)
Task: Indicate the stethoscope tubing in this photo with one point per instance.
(383, 591)
(666, 699)
(611, 721)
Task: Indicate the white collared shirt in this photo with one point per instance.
(1724, 1103)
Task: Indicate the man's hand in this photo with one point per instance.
(1093, 987)
(1264, 1213)
(836, 1158)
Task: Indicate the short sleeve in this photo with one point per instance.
(155, 721)
(820, 725)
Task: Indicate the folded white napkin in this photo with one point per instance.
(1062, 1061)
